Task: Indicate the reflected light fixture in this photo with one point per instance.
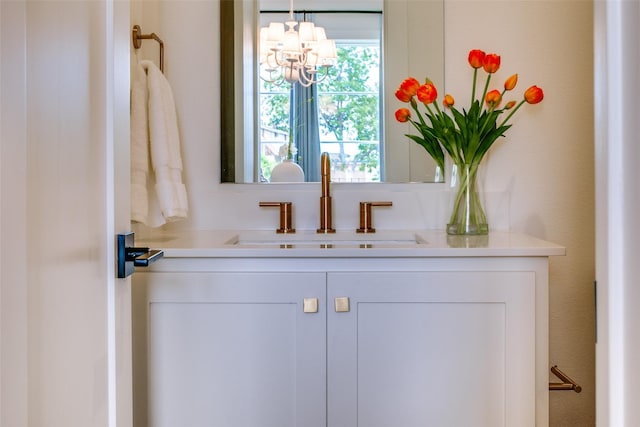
(304, 55)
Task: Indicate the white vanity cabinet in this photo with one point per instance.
(288, 338)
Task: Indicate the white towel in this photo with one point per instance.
(139, 146)
(160, 197)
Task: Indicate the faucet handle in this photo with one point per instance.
(286, 213)
(366, 225)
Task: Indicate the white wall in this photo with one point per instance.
(544, 166)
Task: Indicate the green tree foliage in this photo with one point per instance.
(343, 113)
(274, 106)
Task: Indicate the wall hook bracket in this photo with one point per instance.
(566, 384)
(130, 257)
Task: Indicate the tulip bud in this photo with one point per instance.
(448, 101)
(511, 82)
(510, 105)
(533, 95)
(476, 58)
(403, 115)
(493, 99)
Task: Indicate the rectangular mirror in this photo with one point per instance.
(379, 43)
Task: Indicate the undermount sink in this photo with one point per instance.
(309, 238)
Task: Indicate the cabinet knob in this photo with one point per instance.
(366, 224)
(286, 213)
(342, 304)
(310, 305)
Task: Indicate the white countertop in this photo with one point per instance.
(347, 243)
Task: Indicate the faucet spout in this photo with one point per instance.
(325, 195)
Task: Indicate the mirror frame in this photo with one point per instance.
(227, 93)
(422, 17)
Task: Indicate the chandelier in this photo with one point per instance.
(291, 56)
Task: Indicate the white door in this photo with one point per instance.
(65, 325)
(617, 101)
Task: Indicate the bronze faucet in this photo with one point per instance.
(325, 196)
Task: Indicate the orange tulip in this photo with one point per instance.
(407, 89)
(493, 98)
(491, 63)
(476, 58)
(402, 96)
(403, 115)
(466, 135)
(533, 95)
(511, 82)
(448, 101)
(427, 93)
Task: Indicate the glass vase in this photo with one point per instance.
(438, 175)
(467, 213)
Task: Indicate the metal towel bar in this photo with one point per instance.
(566, 384)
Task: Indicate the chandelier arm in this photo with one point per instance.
(304, 57)
(316, 77)
(278, 80)
(304, 79)
(324, 76)
(305, 83)
(280, 62)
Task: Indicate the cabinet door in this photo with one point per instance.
(446, 349)
(233, 350)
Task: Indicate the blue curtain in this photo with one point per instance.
(304, 122)
(303, 119)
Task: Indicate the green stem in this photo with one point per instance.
(438, 111)
(473, 90)
(418, 113)
(468, 216)
(512, 113)
(486, 87)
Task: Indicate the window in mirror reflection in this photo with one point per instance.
(340, 115)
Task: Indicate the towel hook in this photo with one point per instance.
(137, 37)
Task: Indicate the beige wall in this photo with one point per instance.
(546, 162)
(542, 172)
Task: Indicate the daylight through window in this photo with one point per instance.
(346, 117)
